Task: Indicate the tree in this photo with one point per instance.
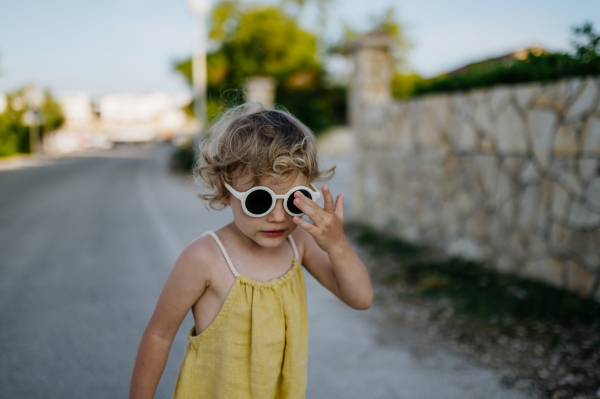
(265, 40)
(14, 134)
(586, 42)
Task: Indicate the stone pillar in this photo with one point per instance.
(261, 89)
(371, 82)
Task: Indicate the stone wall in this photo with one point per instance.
(509, 175)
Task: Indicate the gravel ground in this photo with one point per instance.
(546, 361)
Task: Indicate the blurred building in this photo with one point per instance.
(77, 107)
(119, 117)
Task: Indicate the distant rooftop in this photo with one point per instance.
(519, 54)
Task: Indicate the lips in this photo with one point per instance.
(273, 233)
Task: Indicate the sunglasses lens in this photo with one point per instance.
(259, 202)
(290, 202)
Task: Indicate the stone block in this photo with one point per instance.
(439, 108)
(529, 205)
(508, 212)
(512, 166)
(503, 190)
(542, 125)
(486, 145)
(560, 202)
(579, 279)
(571, 183)
(549, 270)
(582, 217)
(566, 143)
(464, 202)
(450, 220)
(543, 217)
(482, 116)
(476, 225)
(500, 99)
(519, 243)
(510, 132)
(467, 138)
(461, 105)
(537, 247)
(555, 96)
(426, 132)
(560, 238)
(487, 169)
(593, 192)
(526, 95)
(584, 244)
(530, 174)
(590, 141)
(585, 101)
(589, 168)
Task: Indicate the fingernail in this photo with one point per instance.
(296, 201)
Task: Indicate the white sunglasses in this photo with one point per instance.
(260, 200)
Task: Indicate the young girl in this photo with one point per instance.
(244, 282)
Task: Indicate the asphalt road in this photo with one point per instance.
(86, 243)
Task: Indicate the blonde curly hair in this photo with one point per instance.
(251, 138)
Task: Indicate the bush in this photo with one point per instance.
(546, 67)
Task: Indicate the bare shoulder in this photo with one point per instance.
(198, 257)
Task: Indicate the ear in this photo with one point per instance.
(227, 200)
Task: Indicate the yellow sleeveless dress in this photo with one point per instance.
(257, 345)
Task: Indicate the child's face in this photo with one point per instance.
(272, 229)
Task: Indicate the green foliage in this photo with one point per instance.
(540, 68)
(14, 134)
(257, 40)
(586, 42)
(475, 290)
(405, 85)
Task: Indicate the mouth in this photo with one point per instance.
(273, 233)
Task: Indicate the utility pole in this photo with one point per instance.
(200, 8)
(33, 117)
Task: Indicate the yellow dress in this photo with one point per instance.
(257, 345)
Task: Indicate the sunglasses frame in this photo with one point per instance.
(243, 195)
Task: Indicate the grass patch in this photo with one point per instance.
(473, 289)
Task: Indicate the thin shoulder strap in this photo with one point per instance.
(294, 246)
(225, 254)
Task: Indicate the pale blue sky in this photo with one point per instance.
(129, 45)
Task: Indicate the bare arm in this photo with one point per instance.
(186, 283)
(327, 253)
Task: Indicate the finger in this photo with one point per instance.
(307, 209)
(329, 206)
(339, 206)
(304, 224)
(306, 200)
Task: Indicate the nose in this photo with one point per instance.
(277, 215)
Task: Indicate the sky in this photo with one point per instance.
(130, 45)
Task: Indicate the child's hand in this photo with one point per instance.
(328, 222)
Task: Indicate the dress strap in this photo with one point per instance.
(294, 247)
(225, 254)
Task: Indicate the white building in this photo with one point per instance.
(159, 108)
(76, 106)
